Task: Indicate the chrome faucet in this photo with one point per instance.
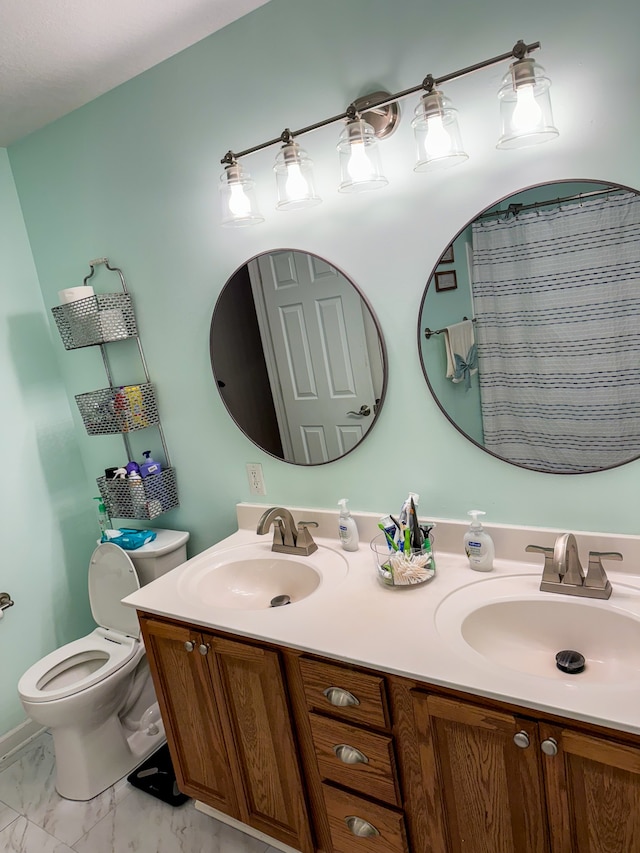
(287, 539)
(563, 571)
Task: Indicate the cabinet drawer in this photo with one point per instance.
(347, 693)
(370, 770)
(375, 829)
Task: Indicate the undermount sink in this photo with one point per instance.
(509, 623)
(253, 577)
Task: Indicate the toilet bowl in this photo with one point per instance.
(95, 694)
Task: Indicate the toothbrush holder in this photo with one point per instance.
(400, 569)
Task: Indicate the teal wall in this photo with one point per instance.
(133, 176)
(45, 519)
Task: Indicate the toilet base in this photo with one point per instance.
(79, 776)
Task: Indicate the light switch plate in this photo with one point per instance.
(256, 480)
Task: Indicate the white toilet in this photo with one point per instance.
(96, 694)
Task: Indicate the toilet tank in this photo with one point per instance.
(168, 550)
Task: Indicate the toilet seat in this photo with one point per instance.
(78, 665)
(82, 663)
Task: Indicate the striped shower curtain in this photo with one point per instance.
(556, 295)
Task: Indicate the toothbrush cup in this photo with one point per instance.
(400, 569)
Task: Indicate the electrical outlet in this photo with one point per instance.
(256, 480)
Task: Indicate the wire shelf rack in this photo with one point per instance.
(110, 411)
(97, 319)
(146, 498)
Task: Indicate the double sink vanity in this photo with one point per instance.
(424, 720)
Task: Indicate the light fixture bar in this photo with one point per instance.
(519, 51)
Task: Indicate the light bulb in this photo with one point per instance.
(359, 166)
(527, 115)
(437, 141)
(239, 204)
(296, 186)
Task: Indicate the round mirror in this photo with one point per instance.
(298, 357)
(529, 331)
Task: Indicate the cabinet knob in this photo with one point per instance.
(189, 646)
(349, 754)
(521, 739)
(549, 746)
(339, 697)
(360, 827)
(203, 648)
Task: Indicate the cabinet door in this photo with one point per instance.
(190, 714)
(261, 726)
(593, 791)
(486, 792)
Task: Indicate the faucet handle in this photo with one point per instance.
(596, 575)
(304, 539)
(548, 573)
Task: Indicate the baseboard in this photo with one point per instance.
(17, 738)
(248, 830)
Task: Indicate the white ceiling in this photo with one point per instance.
(56, 55)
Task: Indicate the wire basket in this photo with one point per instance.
(148, 497)
(116, 410)
(95, 320)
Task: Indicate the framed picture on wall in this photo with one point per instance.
(446, 281)
(447, 257)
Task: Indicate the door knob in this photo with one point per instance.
(521, 739)
(189, 646)
(549, 746)
(363, 412)
(203, 648)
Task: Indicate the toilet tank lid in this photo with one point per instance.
(165, 542)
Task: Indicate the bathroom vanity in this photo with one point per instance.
(350, 721)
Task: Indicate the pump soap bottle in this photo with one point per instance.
(347, 528)
(478, 545)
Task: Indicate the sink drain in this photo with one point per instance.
(280, 601)
(570, 661)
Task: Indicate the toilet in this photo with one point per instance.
(95, 694)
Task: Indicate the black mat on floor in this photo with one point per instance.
(156, 777)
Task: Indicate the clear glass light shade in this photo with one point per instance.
(525, 106)
(360, 166)
(294, 178)
(437, 133)
(237, 198)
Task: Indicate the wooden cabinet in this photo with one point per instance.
(351, 731)
(505, 783)
(331, 758)
(229, 728)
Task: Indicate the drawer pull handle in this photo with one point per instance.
(360, 827)
(349, 754)
(339, 697)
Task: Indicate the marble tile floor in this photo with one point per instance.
(35, 819)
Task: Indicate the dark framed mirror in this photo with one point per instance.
(298, 357)
(534, 355)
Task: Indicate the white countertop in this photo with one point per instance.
(358, 620)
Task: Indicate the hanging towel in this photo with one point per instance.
(462, 352)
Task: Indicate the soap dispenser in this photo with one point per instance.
(347, 529)
(478, 545)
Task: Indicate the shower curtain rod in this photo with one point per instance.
(515, 208)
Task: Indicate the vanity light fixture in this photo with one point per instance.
(360, 166)
(525, 105)
(237, 195)
(436, 130)
(294, 176)
(525, 110)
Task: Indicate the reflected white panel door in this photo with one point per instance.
(313, 334)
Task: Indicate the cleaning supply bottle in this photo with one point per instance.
(103, 519)
(347, 528)
(138, 495)
(149, 466)
(478, 545)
